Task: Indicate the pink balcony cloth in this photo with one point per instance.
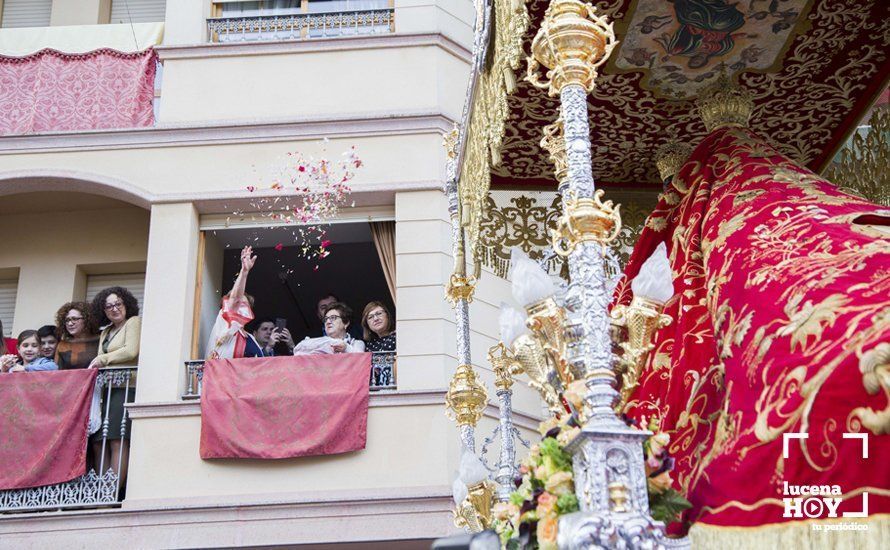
(284, 407)
(51, 91)
(44, 418)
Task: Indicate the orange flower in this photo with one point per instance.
(547, 528)
(661, 482)
(560, 483)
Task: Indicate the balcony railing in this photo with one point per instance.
(383, 374)
(92, 489)
(299, 26)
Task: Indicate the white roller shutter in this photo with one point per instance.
(26, 13)
(134, 282)
(8, 291)
(140, 11)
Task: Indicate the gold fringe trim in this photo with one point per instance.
(834, 534)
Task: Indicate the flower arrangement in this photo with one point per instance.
(665, 503)
(545, 490)
(545, 487)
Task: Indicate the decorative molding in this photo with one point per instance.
(526, 219)
(335, 44)
(32, 179)
(864, 165)
(232, 131)
(483, 124)
(360, 515)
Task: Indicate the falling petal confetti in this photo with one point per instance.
(306, 193)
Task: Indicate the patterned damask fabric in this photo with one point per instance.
(51, 91)
(781, 323)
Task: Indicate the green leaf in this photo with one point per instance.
(551, 448)
(516, 498)
(668, 505)
(566, 504)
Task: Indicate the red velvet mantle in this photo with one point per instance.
(781, 324)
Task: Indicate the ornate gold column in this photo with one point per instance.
(572, 43)
(608, 463)
(465, 391)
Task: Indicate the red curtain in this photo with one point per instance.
(282, 407)
(50, 91)
(781, 324)
(44, 419)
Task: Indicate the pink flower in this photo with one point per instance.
(279, 246)
(546, 503)
(325, 244)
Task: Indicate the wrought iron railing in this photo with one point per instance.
(94, 489)
(299, 26)
(383, 374)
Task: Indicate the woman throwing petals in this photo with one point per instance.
(228, 339)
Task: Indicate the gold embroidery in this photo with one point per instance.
(875, 368)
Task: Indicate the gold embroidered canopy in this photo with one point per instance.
(811, 67)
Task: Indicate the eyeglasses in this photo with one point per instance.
(118, 305)
(377, 315)
(73, 319)
(331, 318)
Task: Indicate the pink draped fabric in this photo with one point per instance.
(44, 418)
(284, 407)
(50, 91)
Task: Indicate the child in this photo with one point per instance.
(29, 351)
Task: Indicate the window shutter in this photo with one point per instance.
(134, 282)
(8, 291)
(140, 11)
(26, 13)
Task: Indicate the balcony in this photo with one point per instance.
(99, 490)
(301, 26)
(383, 374)
(101, 485)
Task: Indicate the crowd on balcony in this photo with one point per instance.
(237, 333)
(76, 341)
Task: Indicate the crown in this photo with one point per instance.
(670, 157)
(723, 104)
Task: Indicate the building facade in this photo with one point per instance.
(161, 209)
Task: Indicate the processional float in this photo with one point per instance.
(570, 339)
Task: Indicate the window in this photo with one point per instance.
(137, 11)
(284, 283)
(8, 291)
(25, 13)
(134, 282)
(268, 7)
(298, 19)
